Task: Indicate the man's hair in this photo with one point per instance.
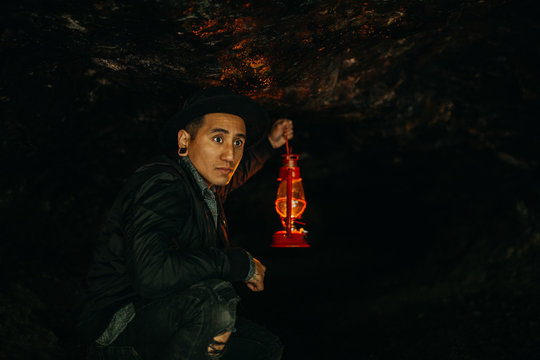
(193, 126)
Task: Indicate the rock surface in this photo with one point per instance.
(417, 126)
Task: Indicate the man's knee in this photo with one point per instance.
(218, 301)
(217, 308)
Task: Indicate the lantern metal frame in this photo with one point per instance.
(290, 236)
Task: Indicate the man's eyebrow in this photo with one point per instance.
(225, 131)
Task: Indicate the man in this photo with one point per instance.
(159, 284)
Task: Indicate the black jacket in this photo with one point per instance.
(160, 237)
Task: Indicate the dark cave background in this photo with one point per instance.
(417, 123)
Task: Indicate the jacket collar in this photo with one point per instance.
(183, 166)
(202, 185)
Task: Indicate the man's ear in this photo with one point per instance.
(183, 142)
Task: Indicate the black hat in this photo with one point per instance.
(216, 100)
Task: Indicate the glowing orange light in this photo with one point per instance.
(290, 204)
(298, 199)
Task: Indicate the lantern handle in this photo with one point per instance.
(287, 141)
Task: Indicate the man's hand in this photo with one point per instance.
(256, 283)
(282, 128)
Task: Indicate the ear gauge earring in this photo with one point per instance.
(182, 151)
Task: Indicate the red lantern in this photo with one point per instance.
(290, 204)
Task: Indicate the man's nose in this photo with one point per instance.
(228, 153)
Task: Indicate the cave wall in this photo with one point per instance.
(417, 126)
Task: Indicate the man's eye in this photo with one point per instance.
(218, 139)
(238, 142)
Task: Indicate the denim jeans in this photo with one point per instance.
(181, 326)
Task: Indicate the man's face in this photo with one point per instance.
(218, 146)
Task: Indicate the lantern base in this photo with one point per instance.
(295, 239)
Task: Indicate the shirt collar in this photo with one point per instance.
(203, 186)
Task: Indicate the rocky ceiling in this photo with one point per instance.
(430, 74)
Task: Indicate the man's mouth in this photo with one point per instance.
(224, 170)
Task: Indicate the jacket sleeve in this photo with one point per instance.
(158, 229)
(252, 161)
